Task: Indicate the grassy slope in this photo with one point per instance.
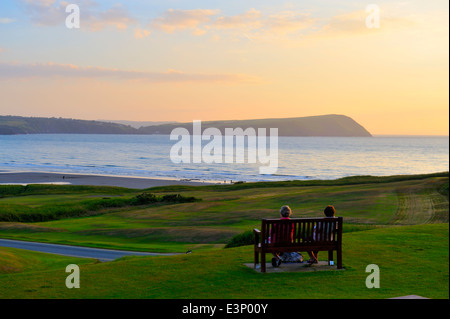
(14, 261)
(364, 202)
(412, 260)
(377, 212)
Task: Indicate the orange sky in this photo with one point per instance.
(132, 61)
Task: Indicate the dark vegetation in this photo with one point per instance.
(88, 207)
(10, 125)
(244, 239)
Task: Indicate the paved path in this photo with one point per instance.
(76, 251)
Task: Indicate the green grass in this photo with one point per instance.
(397, 222)
(38, 208)
(16, 261)
(412, 260)
(219, 216)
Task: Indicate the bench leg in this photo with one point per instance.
(330, 256)
(263, 261)
(256, 259)
(339, 258)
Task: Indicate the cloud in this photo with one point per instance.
(53, 13)
(53, 70)
(43, 3)
(174, 20)
(141, 33)
(251, 24)
(6, 20)
(45, 12)
(288, 21)
(201, 20)
(345, 24)
(248, 19)
(254, 26)
(354, 23)
(116, 16)
(289, 26)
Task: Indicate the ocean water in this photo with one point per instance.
(298, 157)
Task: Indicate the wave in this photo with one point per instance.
(299, 159)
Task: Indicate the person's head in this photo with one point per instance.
(329, 211)
(285, 211)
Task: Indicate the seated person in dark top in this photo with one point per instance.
(329, 212)
(279, 233)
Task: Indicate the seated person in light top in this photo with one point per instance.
(329, 212)
(285, 213)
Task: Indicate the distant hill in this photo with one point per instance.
(137, 124)
(323, 125)
(42, 125)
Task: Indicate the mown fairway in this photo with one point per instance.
(399, 223)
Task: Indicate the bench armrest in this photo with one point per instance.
(257, 234)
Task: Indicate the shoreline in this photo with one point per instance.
(25, 178)
(133, 182)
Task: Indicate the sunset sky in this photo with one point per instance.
(222, 60)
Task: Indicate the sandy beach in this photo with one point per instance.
(25, 178)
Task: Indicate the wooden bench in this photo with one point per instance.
(298, 235)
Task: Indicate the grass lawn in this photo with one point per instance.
(413, 260)
(399, 223)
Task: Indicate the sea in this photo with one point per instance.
(298, 158)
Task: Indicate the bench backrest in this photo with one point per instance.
(301, 231)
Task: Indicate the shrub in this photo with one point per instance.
(244, 239)
(144, 198)
(177, 198)
(21, 213)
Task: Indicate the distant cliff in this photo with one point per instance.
(323, 125)
(42, 125)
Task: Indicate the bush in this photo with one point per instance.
(177, 198)
(23, 213)
(148, 198)
(144, 198)
(244, 239)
